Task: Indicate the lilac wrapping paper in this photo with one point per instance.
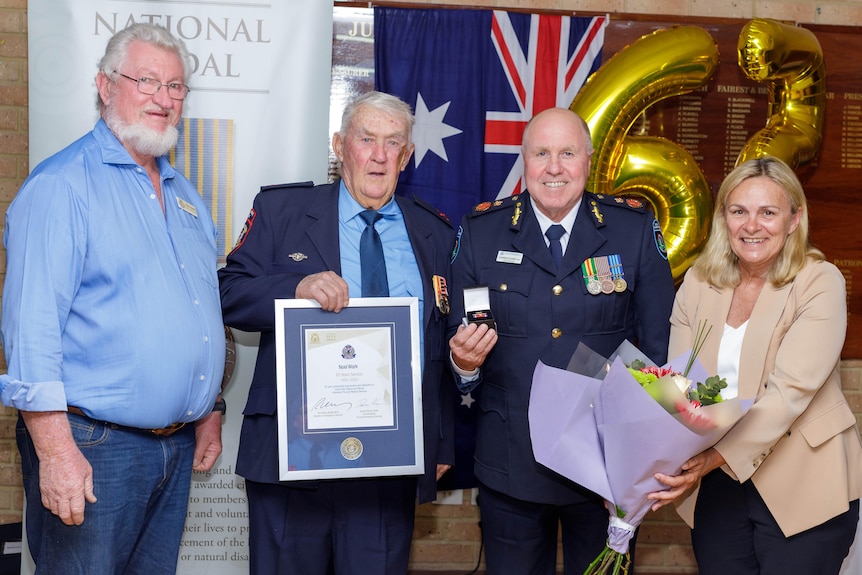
(610, 436)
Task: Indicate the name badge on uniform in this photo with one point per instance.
(505, 257)
(187, 207)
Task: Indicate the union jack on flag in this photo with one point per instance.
(474, 78)
(546, 76)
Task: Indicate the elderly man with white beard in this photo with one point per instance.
(112, 326)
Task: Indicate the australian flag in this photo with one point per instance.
(474, 78)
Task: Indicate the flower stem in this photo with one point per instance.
(699, 339)
(609, 562)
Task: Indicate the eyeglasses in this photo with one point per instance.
(151, 86)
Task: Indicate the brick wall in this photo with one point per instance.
(446, 536)
(13, 169)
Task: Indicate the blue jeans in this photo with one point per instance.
(142, 485)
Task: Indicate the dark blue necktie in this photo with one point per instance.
(374, 280)
(554, 233)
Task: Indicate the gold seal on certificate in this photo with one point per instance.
(351, 448)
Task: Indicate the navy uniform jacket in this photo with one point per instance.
(543, 315)
(299, 219)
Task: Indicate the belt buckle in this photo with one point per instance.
(169, 430)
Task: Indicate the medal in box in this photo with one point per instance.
(477, 306)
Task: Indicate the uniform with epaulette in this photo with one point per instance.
(614, 283)
(292, 232)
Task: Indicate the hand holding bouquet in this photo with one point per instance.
(611, 436)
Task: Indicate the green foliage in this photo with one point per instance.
(708, 392)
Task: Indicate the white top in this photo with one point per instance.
(728, 358)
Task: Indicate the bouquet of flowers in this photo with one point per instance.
(609, 433)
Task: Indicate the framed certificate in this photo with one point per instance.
(349, 388)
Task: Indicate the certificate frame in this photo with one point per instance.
(361, 414)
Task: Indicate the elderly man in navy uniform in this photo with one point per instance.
(304, 242)
(602, 278)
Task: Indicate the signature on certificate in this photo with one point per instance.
(324, 403)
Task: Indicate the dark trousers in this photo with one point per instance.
(339, 527)
(521, 537)
(734, 532)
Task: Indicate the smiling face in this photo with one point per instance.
(758, 217)
(145, 124)
(556, 154)
(373, 151)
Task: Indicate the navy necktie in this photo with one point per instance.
(374, 280)
(554, 233)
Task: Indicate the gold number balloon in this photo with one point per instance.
(665, 63)
(671, 180)
(791, 61)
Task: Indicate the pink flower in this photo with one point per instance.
(657, 371)
(692, 417)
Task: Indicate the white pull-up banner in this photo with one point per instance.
(258, 114)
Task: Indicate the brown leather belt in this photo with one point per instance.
(162, 432)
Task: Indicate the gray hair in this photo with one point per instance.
(117, 49)
(384, 102)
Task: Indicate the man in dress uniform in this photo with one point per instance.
(306, 242)
(561, 266)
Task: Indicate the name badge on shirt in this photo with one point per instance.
(504, 257)
(187, 207)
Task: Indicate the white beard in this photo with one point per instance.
(140, 138)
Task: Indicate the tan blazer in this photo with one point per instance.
(799, 442)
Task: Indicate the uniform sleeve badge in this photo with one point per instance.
(660, 244)
(457, 247)
(246, 228)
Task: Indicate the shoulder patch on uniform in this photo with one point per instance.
(421, 201)
(456, 249)
(249, 222)
(487, 207)
(287, 186)
(660, 244)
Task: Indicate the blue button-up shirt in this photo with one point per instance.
(402, 270)
(110, 304)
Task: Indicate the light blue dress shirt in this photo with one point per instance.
(109, 304)
(402, 270)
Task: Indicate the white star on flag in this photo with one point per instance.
(429, 130)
